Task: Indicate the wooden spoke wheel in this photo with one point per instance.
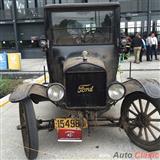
(141, 118)
(28, 128)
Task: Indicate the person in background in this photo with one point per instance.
(143, 49)
(154, 46)
(137, 46)
(148, 47)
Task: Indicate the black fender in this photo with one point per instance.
(36, 92)
(150, 87)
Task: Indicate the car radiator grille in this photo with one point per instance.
(85, 89)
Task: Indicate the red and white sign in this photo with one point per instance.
(69, 135)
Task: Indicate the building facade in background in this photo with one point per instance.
(22, 22)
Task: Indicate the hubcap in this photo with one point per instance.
(142, 120)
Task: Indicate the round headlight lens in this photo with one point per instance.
(116, 91)
(56, 92)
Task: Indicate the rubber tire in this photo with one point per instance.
(26, 108)
(126, 103)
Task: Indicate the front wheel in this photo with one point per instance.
(140, 115)
(29, 128)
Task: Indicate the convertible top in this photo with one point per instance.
(81, 6)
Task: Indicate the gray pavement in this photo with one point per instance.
(33, 64)
(37, 64)
(144, 70)
(103, 142)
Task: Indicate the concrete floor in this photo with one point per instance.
(33, 64)
(102, 144)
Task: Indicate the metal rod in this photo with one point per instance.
(44, 127)
(15, 24)
(45, 81)
(49, 124)
(105, 125)
(141, 70)
(148, 17)
(104, 119)
(130, 69)
(6, 71)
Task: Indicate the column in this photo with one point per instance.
(15, 24)
(148, 17)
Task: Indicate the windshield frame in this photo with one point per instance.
(114, 7)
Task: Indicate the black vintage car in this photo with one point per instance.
(81, 45)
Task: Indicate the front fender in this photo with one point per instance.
(36, 92)
(148, 86)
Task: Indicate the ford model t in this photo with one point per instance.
(81, 45)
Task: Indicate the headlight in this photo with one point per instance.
(116, 91)
(56, 92)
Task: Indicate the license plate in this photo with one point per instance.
(69, 135)
(69, 123)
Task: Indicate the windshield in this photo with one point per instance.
(83, 27)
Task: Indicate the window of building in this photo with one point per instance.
(7, 4)
(158, 25)
(20, 4)
(145, 26)
(41, 3)
(1, 5)
(155, 4)
(131, 28)
(151, 25)
(21, 12)
(50, 1)
(58, 1)
(31, 4)
(122, 26)
(138, 26)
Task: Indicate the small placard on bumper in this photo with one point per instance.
(69, 135)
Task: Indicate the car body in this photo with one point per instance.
(82, 43)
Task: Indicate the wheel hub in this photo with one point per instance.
(142, 120)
